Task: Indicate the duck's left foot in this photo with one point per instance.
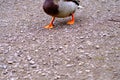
(50, 26)
(72, 21)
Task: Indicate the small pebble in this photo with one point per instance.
(3, 66)
(57, 77)
(97, 47)
(82, 37)
(60, 48)
(87, 70)
(36, 50)
(69, 65)
(13, 79)
(34, 66)
(21, 31)
(43, 74)
(81, 47)
(29, 58)
(10, 62)
(34, 39)
(32, 62)
(81, 63)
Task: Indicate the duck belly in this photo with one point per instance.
(66, 9)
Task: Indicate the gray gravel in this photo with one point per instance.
(87, 50)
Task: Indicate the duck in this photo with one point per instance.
(60, 9)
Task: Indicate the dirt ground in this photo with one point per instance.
(87, 50)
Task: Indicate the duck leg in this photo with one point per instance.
(50, 26)
(72, 21)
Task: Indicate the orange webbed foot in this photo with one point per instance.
(72, 21)
(50, 26)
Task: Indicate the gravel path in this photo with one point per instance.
(87, 50)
